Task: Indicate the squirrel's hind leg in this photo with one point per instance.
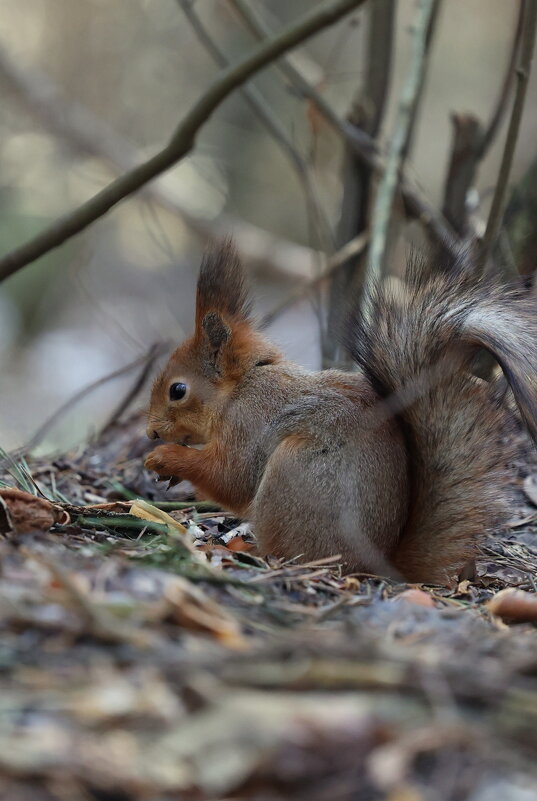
(317, 500)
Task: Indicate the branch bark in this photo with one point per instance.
(366, 113)
(84, 132)
(182, 140)
(259, 106)
(472, 141)
(355, 247)
(407, 104)
(416, 204)
(496, 118)
(463, 163)
(494, 222)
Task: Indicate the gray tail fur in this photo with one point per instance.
(416, 345)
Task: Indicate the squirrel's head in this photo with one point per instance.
(189, 395)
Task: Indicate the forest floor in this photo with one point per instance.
(142, 663)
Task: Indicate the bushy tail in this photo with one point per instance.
(416, 346)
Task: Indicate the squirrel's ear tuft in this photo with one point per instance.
(222, 285)
(216, 330)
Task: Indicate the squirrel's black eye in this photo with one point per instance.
(178, 391)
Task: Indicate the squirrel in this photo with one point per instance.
(399, 468)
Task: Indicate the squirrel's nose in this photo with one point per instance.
(152, 434)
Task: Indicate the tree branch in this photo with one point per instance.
(409, 96)
(505, 90)
(471, 143)
(529, 29)
(416, 204)
(351, 249)
(259, 106)
(182, 140)
(366, 112)
(429, 38)
(463, 162)
(85, 132)
(146, 361)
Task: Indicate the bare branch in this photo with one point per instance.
(156, 350)
(85, 132)
(471, 143)
(416, 205)
(409, 95)
(182, 140)
(501, 104)
(529, 28)
(429, 38)
(463, 163)
(259, 106)
(520, 223)
(351, 249)
(366, 112)
(253, 97)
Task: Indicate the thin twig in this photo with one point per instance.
(126, 402)
(388, 185)
(429, 38)
(529, 28)
(416, 204)
(463, 162)
(489, 134)
(471, 143)
(352, 249)
(154, 352)
(84, 132)
(182, 140)
(259, 106)
(366, 112)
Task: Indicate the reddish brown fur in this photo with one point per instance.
(314, 459)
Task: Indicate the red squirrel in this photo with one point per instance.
(399, 467)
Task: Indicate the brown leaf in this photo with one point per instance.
(29, 513)
(240, 544)
(416, 597)
(146, 511)
(192, 609)
(513, 604)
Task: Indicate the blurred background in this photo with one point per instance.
(92, 87)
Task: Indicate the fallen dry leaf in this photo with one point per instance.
(192, 609)
(513, 604)
(416, 597)
(240, 544)
(146, 511)
(27, 513)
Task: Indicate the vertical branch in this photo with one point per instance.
(269, 119)
(529, 28)
(416, 205)
(520, 222)
(471, 143)
(366, 113)
(182, 139)
(429, 37)
(463, 163)
(407, 104)
(505, 89)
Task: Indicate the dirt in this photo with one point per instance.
(138, 662)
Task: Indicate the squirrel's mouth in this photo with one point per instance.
(188, 442)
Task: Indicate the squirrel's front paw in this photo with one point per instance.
(164, 461)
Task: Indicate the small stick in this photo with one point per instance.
(409, 96)
(529, 29)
